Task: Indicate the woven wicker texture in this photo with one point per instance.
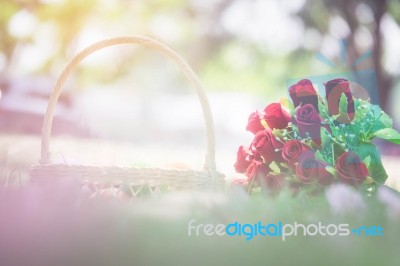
(154, 177)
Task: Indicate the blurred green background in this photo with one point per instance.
(252, 46)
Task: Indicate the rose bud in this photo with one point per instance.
(256, 170)
(303, 93)
(292, 151)
(242, 161)
(334, 90)
(350, 169)
(308, 121)
(266, 145)
(311, 169)
(254, 123)
(276, 117)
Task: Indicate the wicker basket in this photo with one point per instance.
(137, 179)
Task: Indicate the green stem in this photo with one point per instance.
(250, 186)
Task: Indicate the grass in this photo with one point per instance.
(58, 224)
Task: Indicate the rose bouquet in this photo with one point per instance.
(314, 141)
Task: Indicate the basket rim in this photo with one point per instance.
(209, 165)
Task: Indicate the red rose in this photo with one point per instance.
(310, 169)
(276, 117)
(309, 122)
(257, 170)
(292, 150)
(274, 183)
(350, 169)
(334, 90)
(303, 93)
(242, 160)
(254, 124)
(266, 145)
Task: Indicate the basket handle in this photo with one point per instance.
(209, 166)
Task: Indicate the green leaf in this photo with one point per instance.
(386, 120)
(380, 118)
(287, 104)
(331, 170)
(325, 140)
(337, 151)
(375, 167)
(388, 134)
(318, 155)
(322, 107)
(343, 104)
(277, 132)
(284, 165)
(274, 167)
(367, 160)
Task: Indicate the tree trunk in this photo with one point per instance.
(384, 83)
